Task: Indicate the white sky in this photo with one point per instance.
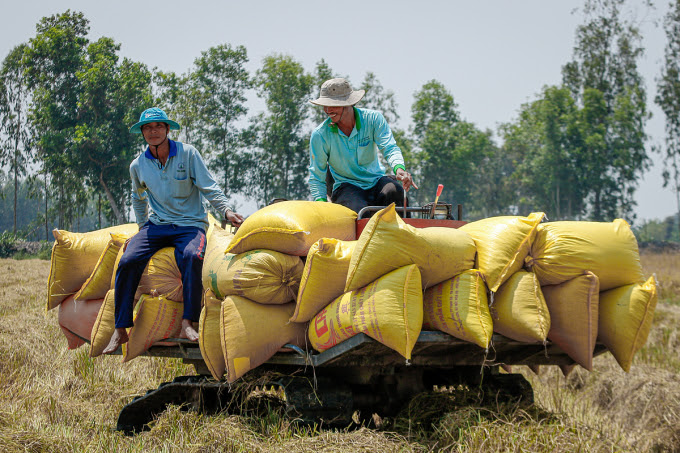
(492, 55)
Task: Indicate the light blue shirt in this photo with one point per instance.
(175, 191)
(352, 159)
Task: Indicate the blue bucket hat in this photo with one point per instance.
(153, 115)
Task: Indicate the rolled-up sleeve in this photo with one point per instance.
(318, 163)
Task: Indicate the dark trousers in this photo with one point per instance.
(189, 244)
(386, 191)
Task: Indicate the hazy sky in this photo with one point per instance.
(492, 55)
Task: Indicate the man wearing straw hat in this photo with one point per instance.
(170, 178)
(346, 145)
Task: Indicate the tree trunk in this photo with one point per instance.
(16, 188)
(61, 205)
(46, 222)
(112, 201)
(677, 203)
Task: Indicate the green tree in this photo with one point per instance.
(449, 150)
(222, 81)
(377, 98)
(546, 148)
(668, 98)
(112, 96)
(181, 98)
(493, 189)
(281, 151)
(604, 80)
(15, 143)
(53, 58)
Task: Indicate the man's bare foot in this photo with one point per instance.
(118, 338)
(187, 331)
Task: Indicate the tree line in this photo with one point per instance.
(576, 151)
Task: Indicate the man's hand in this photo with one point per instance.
(234, 218)
(406, 180)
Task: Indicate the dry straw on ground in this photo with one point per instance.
(55, 400)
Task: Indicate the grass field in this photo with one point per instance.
(56, 400)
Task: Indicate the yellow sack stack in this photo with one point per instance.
(104, 325)
(502, 245)
(573, 307)
(625, 319)
(74, 256)
(389, 310)
(264, 276)
(161, 276)
(156, 318)
(565, 250)
(387, 243)
(209, 340)
(460, 307)
(323, 277)
(99, 282)
(519, 310)
(251, 333)
(292, 227)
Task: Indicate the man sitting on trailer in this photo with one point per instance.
(346, 146)
(172, 179)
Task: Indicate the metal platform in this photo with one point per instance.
(433, 348)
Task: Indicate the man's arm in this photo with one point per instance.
(140, 204)
(318, 164)
(207, 185)
(384, 139)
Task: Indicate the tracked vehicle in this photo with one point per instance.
(357, 376)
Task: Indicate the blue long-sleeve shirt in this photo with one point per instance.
(352, 159)
(174, 192)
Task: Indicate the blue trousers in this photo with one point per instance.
(189, 244)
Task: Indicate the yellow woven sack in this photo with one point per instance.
(323, 277)
(626, 315)
(74, 255)
(104, 326)
(213, 224)
(459, 306)
(293, 226)
(116, 262)
(209, 335)
(76, 318)
(251, 333)
(387, 243)
(519, 310)
(264, 276)
(161, 276)
(389, 310)
(156, 319)
(502, 245)
(573, 307)
(565, 250)
(215, 257)
(99, 282)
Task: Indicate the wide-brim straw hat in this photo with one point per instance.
(153, 115)
(338, 93)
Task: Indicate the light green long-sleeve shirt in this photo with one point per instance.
(352, 159)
